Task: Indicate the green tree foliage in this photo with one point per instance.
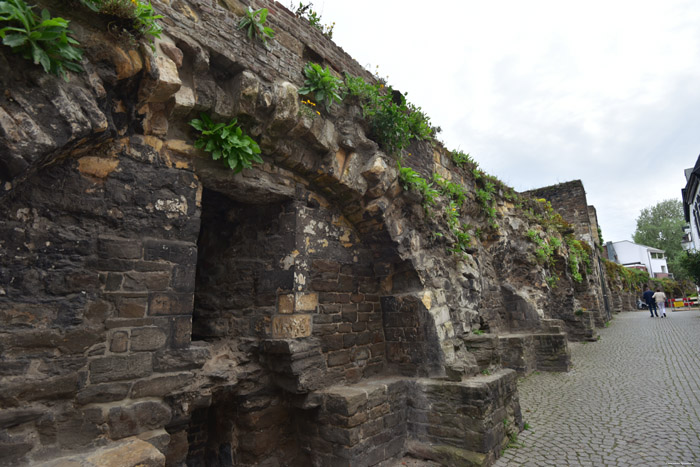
(661, 226)
(690, 262)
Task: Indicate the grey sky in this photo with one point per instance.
(543, 92)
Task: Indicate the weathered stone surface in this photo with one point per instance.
(130, 452)
(178, 360)
(137, 418)
(14, 417)
(291, 326)
(147, 338)
(115, 368)
(107, 392)
(160, 385)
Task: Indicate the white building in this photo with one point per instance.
(691, 207)
(633, 255)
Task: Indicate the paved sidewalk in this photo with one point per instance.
(631, 399)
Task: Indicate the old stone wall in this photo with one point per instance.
(305, 311)
(569, 200)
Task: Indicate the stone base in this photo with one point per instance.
(378, 421)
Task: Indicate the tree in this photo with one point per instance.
(661, 226)
(691, 263)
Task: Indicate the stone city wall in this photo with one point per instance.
(305, 311)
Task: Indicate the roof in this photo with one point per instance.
(650, 248)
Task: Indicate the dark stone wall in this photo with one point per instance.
(95, 299)
(241, 268)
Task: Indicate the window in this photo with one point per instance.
(657, 256)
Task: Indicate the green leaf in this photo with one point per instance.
(14, 40)
(53, 22)
(40, 57)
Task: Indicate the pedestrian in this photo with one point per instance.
(660, 299)
(648, 296)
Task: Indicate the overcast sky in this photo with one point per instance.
(544, 92)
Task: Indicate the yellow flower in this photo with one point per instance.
(318, 112)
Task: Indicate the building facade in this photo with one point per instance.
(633, 255)
(691, 207)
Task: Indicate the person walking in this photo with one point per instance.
(660, 299)
(648, 296)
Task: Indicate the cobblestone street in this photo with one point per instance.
(631, 399)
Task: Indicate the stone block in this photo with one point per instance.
(285, 304)
(344, 436)
(137, 418)
(183, 253)
(115, 368)
(305, 302)
(342, 357)
(183, 278)
(160, 303)
(13, 417)
(160, 386)
(291, 326)
(100, 393)
(131, 306)
(182, 332)
(119, 248)
(59, 387)
(346, 401)
(178, 360)
(120, 342)
(147, 338)
(129, 452)
(162, 80)
(79, 428)
(142, 281)
(13, 451)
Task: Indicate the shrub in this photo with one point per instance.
(254, 23)
(227, 142)
(322, 84)
(42, 39)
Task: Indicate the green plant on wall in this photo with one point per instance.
(324, 86)
(411, 180)
(393, 122)
(452, 190)
(463, 160)
(144, 20)
(41, 39)
(307, 12)
(578, 256)
(486, 200)
(227, 142)
(253, 22)
(545, 250)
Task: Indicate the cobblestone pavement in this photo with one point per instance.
(631, 399)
